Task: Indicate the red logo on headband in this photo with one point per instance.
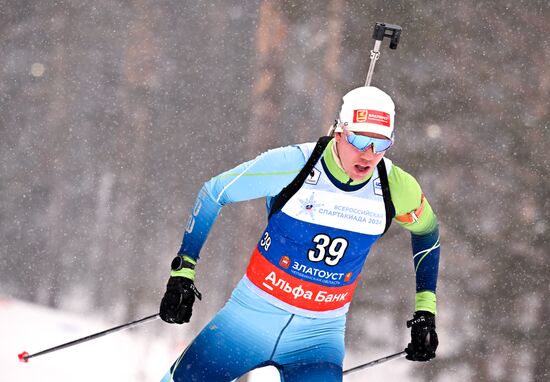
(360, 116)
(371, 116)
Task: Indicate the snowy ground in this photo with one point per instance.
(123, 356)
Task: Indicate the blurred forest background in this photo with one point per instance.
(114, 113)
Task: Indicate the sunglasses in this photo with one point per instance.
(363, 142)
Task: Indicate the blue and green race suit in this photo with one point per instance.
(289, 309)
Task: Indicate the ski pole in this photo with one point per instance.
(380, 31)
(24, 356)
(375, 362)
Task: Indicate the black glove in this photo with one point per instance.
(423, 337)
(176, 306)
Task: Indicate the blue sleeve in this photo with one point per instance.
(264, 176)
(426, 249)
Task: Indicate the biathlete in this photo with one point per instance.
(327, 204)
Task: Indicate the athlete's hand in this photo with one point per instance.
(423, 337)
(176, 306)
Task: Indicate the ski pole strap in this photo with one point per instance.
(293, 187)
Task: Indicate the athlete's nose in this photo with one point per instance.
(368, 154)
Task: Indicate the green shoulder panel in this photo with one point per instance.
(406, 196)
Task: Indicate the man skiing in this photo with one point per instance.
(289, 310)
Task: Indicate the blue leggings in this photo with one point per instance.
(248, 332)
